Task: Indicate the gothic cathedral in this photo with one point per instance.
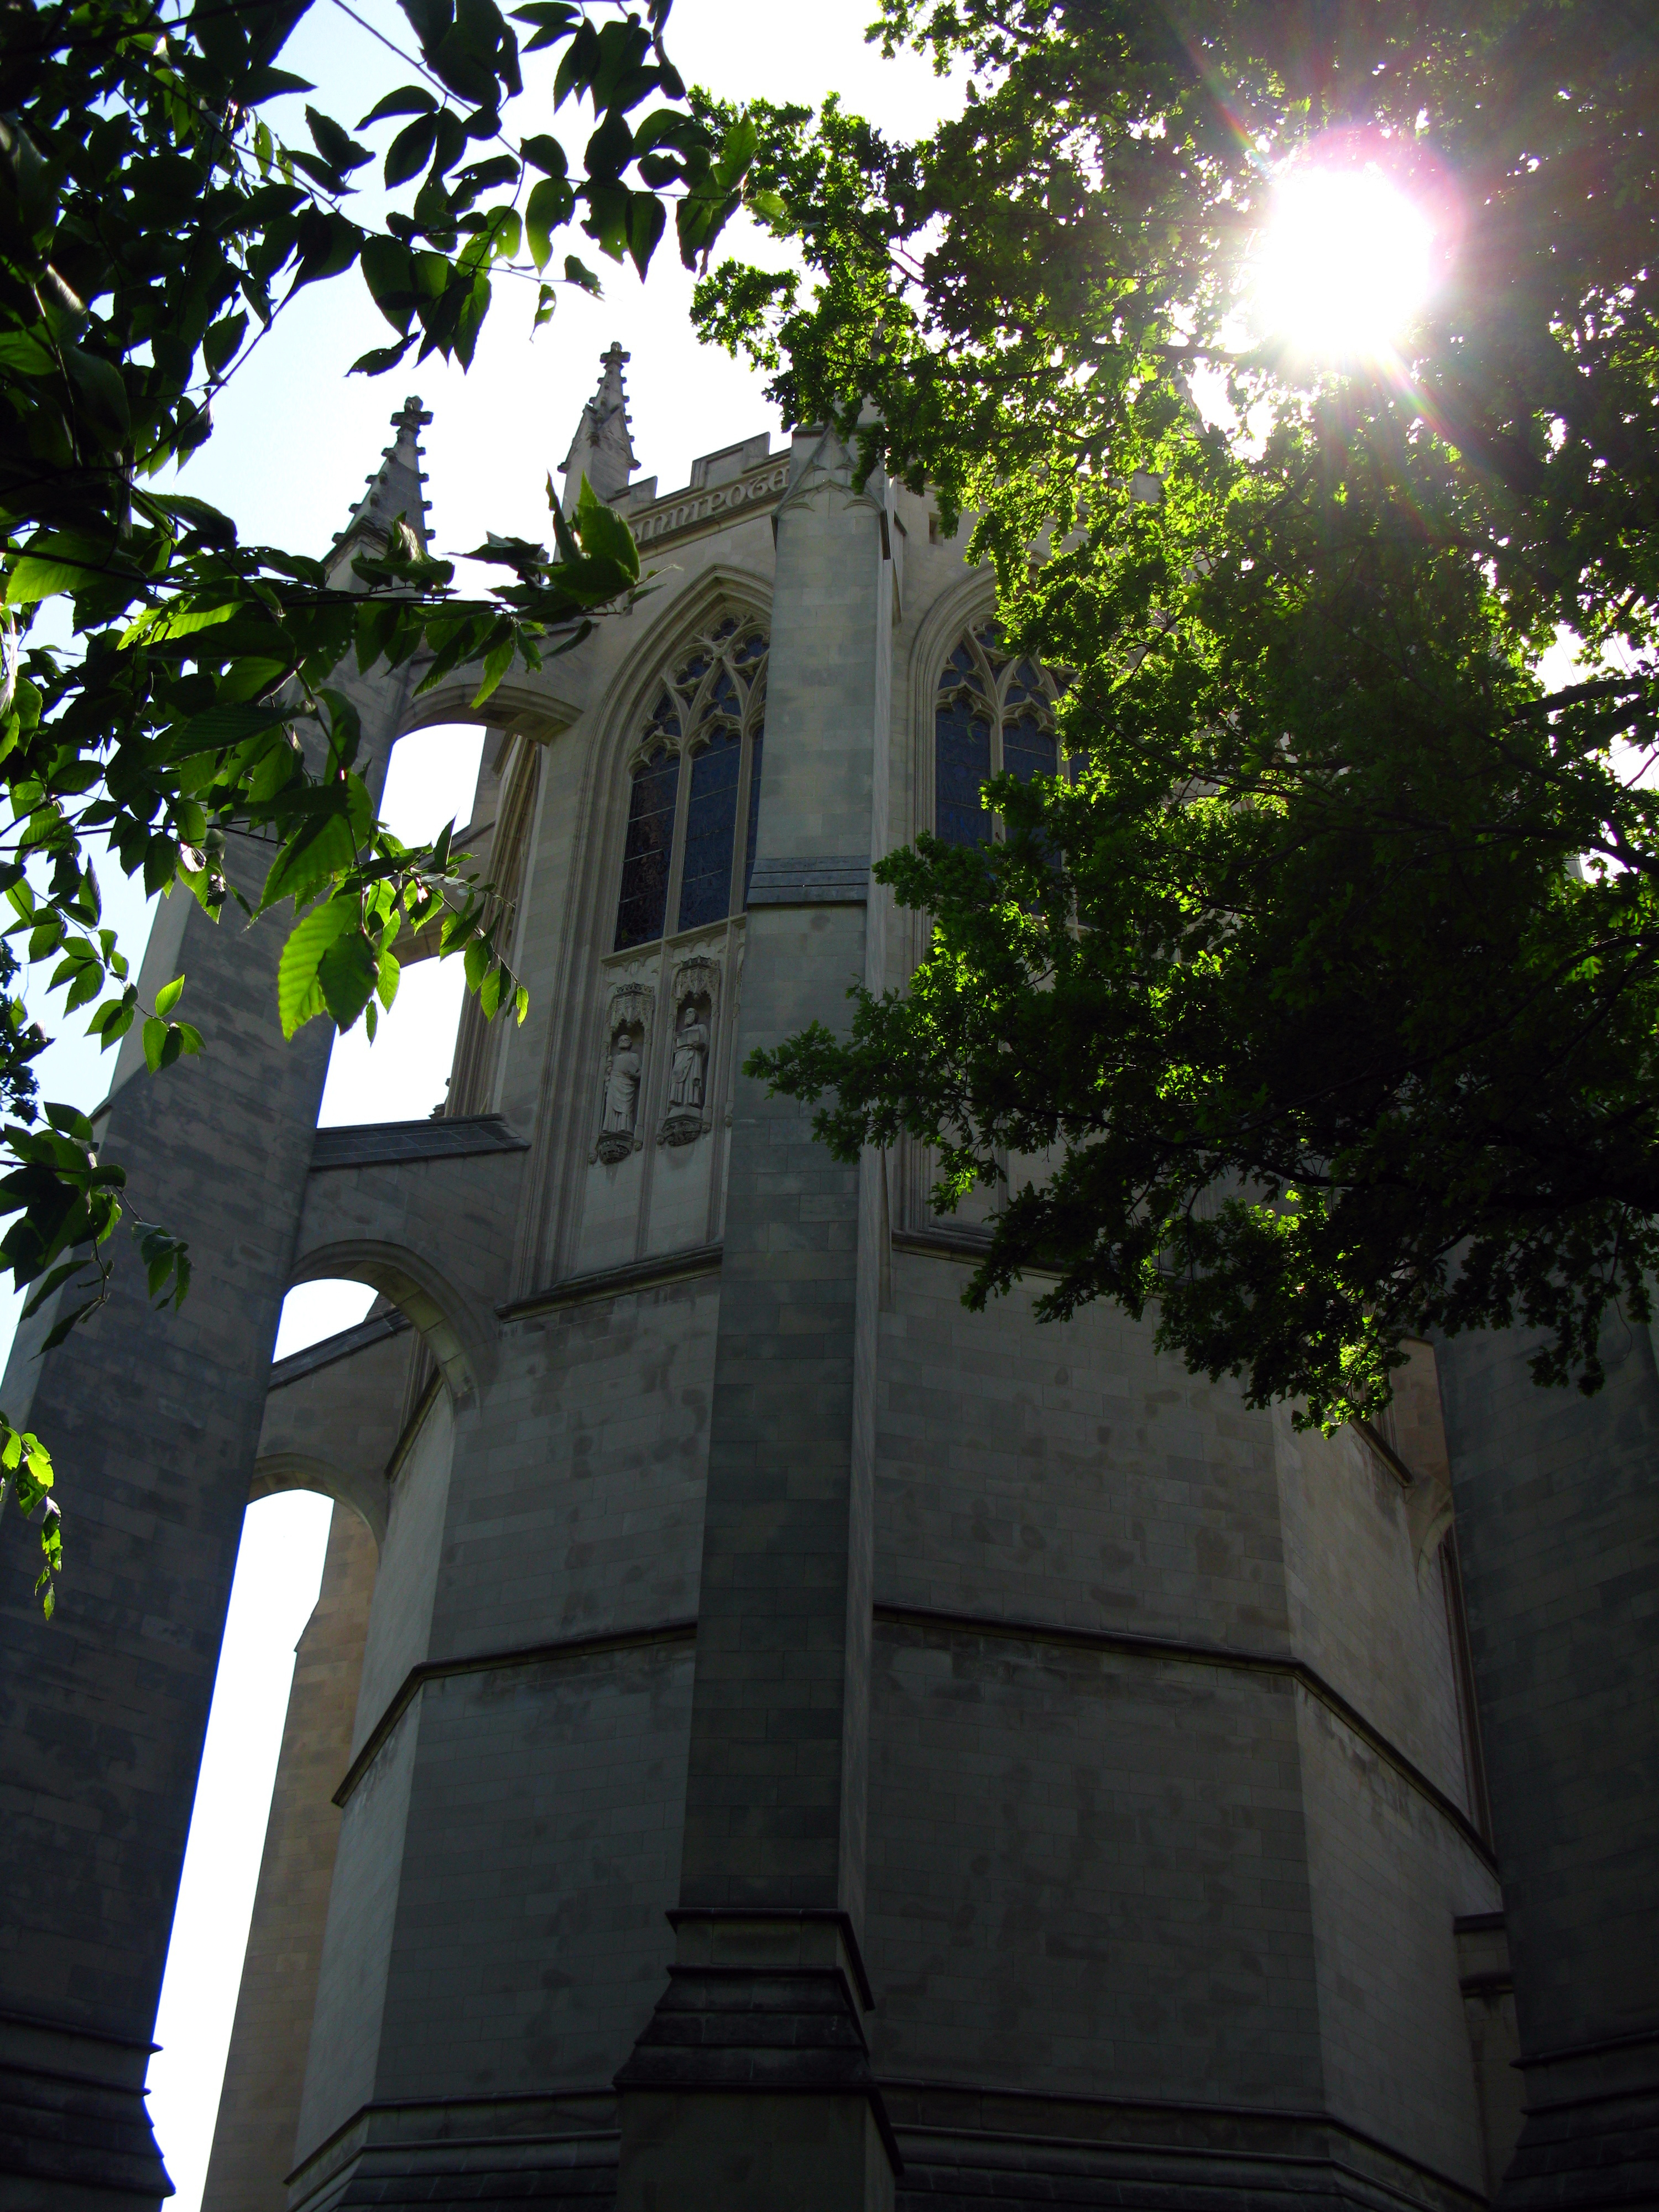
(770, 1739)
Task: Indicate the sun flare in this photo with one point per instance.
(1346, 261)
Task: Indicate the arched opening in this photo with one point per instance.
(436, 775)
(279, 1570)
(240, 1976)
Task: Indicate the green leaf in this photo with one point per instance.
(388, 268)
(379, 359)
(86, 986)
(340, 151)
(56, 562)
(603, 533)
(348, 971)
(222, 342)
(576, 272)
(155, 1039)
(65, 1323)
(551, 203)
(321, 848)
(299, 995)
(218, 729)
(408, 99)
(42, 1290)
(101, 393)
(411, 150)
(737, 151)
(497, 661)
(545, 154)
(645, 218)
(169, 996)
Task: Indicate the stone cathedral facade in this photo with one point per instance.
(767, 1737)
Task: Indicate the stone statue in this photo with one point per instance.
(690, 1058)
(622, 1096)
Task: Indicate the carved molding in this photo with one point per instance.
(629, 1010)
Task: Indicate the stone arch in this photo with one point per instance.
(274, 1472)
(517, 799)
(512, 706)
(459, 1338)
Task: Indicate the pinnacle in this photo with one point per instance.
(602, 447)
(398, 485)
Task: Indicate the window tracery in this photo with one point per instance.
(695, 779)
(994, 715)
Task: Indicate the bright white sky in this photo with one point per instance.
(293, 440)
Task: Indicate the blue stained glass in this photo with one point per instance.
(962, 761)
(1028, 749)
(711, 819)
(961, 668)
(647, 854)
(755, 744)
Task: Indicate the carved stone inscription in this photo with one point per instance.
(668, 517)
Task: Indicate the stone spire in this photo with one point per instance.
(602, 449)
(397, 487)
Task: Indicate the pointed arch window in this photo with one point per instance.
(994, 715)
(696, 780)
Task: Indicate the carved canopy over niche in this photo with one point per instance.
(629, 1008)
(694, 1015)
(696, 782)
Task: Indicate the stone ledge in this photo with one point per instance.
(832, 880)
(596, 1645)
(371, 1144)
(1285, 1666)
(684, 1267)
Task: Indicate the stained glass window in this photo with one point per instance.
(964, 763)
(648, 852)
(711, 821)
(709, 716)
(993, 717)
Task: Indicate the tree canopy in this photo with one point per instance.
(1315, 1005)
(165, 684)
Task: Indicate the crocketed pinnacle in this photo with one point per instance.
(602, 449)
(397, 487)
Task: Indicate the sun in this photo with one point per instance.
(1345, 263)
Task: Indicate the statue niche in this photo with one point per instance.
(696, 987)
(627, 1025)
